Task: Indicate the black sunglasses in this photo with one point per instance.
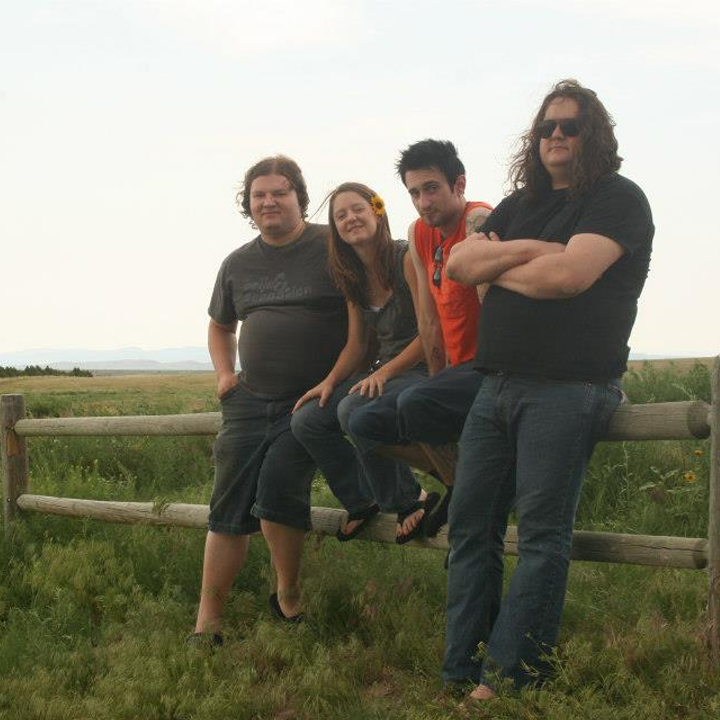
(569, 128)
(438, 260)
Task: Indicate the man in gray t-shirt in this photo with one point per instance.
(294, 324)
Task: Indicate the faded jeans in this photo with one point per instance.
(431, 410)
(357, 476)
(526, 443)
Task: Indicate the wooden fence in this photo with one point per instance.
(656, 421)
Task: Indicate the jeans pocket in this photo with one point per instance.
(232, 391)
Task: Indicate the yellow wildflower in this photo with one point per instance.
(378, 205)
(690, 476)
(699, 452)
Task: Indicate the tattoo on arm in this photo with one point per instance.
(475, 220)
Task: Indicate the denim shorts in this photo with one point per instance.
(261, 470)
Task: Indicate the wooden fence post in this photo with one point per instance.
(714, 519)
(14, 457)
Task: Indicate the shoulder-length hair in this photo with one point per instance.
(598, 148)
(346, 268)
(275, 165)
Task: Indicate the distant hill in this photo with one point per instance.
(143, 365)
(185, 359)
(179, 359)
(665, 356)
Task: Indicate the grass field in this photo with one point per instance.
(93, 616)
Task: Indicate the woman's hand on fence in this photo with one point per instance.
(226, 383)
(322, 391)
(372, 385)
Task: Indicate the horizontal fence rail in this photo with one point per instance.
(658, 421)
(191, 424)
(595, 546)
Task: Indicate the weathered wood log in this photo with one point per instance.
(654, 421)
(442, 459)
(685, 420)
(13, 449)
(595, 546)
(714, 522)
(131, 513)
(188, 424)
(413, 455)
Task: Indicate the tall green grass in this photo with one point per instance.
(93, 616)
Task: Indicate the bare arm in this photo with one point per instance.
(408, 358)
(348, 361)
(474, 220)
(480, 258)
(563, 275)
(427, 317)
(222, 344)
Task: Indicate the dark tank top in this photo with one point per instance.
(394, 324)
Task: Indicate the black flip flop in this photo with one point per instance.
(418, 531)
(280, 615)
(366, 514)
(440, 517)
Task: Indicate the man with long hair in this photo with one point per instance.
(566, 256)
(293, 327)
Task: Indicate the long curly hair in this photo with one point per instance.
(346, 268)
(597, 153)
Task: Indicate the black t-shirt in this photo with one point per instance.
(583, 337)
(294, 321)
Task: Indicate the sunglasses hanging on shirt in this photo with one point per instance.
(437, 272)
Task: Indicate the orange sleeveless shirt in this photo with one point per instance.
(457, 305)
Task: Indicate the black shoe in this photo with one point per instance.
(280, 615)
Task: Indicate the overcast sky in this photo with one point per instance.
(125, 126)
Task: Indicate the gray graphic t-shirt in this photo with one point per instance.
(294, 321)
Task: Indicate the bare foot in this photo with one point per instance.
(411, 521)
(350, 525)
(483, 692)
(356, 521)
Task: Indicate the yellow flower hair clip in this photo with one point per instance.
(378, 205)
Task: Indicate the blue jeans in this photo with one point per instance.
(432, 410)
(357, 476)
(526, 442)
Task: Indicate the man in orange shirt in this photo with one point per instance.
(433, 411)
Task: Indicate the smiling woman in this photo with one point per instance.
(356, 220)
(383, 355)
